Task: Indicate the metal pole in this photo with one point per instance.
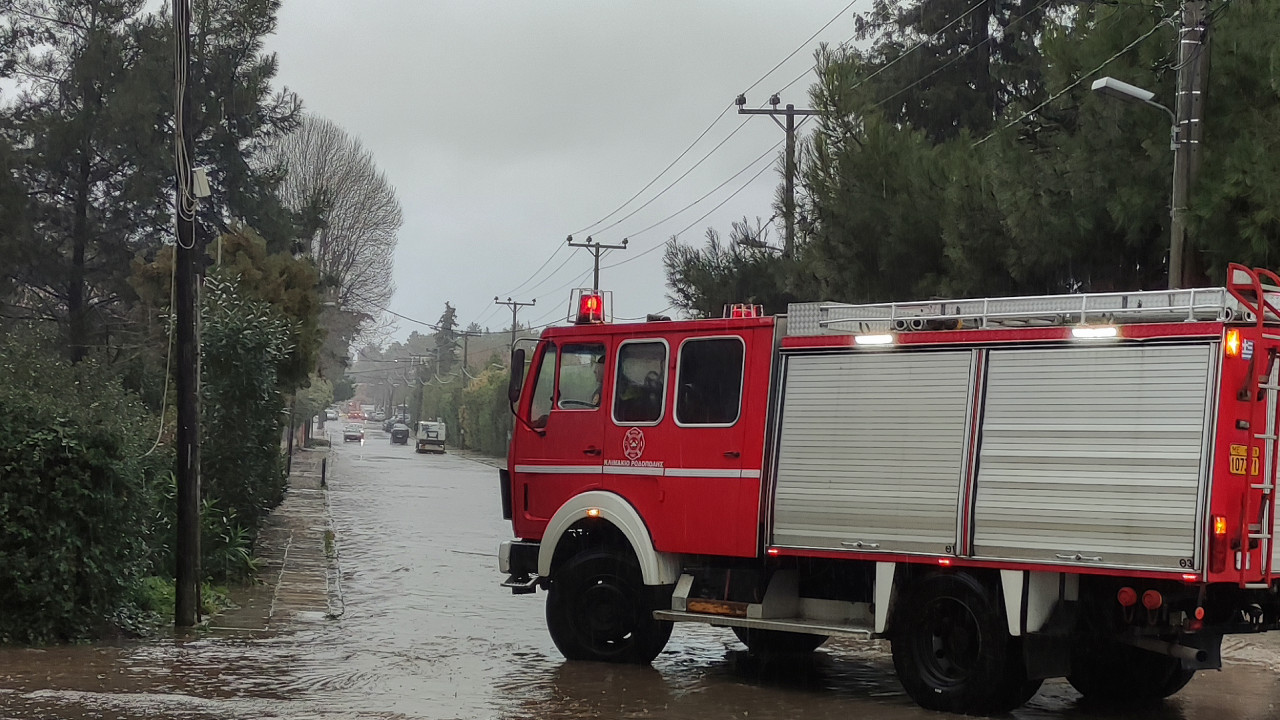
(187, 470)
(1187, 132)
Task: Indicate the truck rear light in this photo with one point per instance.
(1218, 545)
(1127, 597)
(1152, 600)
(1232, 344)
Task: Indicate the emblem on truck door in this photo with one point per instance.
(633, 444)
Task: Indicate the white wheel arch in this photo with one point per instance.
(657, 568)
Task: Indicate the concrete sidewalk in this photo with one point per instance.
(298, 573)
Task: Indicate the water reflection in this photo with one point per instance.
(426, 633)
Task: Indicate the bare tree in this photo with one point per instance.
(350, 211)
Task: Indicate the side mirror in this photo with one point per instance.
(516, 383)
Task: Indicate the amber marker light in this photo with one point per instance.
(1232, 345)
(593, 512)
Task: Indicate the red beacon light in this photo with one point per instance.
(590, 308)
(743, 310)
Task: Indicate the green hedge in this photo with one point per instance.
(76, 495)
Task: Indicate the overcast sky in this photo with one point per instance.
(506, 126)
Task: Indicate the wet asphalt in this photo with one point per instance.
(425, 631)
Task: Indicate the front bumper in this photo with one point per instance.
(518, 559)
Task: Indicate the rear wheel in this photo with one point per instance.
(598, 608)
(1117, 674)
(952, 649)
(775, 642)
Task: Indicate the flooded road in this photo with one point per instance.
(424, 631)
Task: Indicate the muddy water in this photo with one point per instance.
(427, 633)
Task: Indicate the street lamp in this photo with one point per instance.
(1112, 87)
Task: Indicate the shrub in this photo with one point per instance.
(242, 344)
(75, 494)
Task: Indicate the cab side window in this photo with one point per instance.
(640, 386)
(543, 387)
(710, 377)
(581, 376)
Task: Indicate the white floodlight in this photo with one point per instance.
(873, 339)
(1086, 332)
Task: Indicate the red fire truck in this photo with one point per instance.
(1008, 489)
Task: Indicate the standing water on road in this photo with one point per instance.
(426, 632)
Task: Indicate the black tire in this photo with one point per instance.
(1110, 673)
(598, 608)
(776, 642)
(952, 649)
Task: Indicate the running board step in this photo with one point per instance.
(794, 625)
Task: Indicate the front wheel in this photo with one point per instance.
(598, 608)
(953, 651)
(775, 642)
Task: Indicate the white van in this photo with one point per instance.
(430, 436)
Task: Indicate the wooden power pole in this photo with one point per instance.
(515, 306)
(789, 191)
(186, 288)
(1193, 57)
(595, 248)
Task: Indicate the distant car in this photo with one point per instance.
(330, 414)
(355, 415)
(400, 434)
(378, 417)
(353, 432)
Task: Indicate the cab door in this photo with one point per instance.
(558, 454)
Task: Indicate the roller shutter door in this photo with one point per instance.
(871, 450)
(1095, 454)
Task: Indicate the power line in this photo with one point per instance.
(708, 194)
(673, 183)
(695, 222)
(959, 57)
(1073, 85)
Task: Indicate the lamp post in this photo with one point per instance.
(1112, 87)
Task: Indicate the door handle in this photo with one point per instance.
(733, 454)
(593, 450)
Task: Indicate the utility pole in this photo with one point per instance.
(595, 248)
(187, 470)
(465, 337)
(1193, 52)
(515, 306)
(789, 192)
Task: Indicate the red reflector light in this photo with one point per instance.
(1190, 577)
(1152, 600)
(590, 308)
(1232, 345)
(1199, 613)
(944, 562)
(772, 551)
(1127, 597)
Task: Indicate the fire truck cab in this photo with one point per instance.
(1008, 489)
